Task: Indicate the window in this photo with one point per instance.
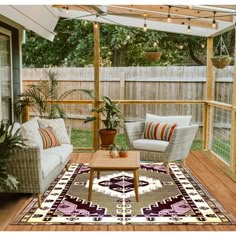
(5, 76)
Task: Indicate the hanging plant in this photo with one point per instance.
(221, 57)
(152, 53)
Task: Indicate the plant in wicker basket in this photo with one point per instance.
(152, 54)
(221, 57)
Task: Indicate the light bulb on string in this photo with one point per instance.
(189, 26)
(145, 25)
(169, 18)
(203, 45)
(155, 44)
(214, 21)
(127, 37)
(181, 46)
(67, 9)
(96, 23)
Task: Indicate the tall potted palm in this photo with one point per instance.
(9, 141)
(111, 118)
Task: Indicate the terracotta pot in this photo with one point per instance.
(107, 137)
(123, 154)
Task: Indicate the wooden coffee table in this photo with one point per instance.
(103, 161)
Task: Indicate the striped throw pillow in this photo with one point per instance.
(49, 138)
(159, 131)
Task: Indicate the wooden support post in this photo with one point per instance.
(122, 95)
(233, 118)
(210, 85)
(96, 124)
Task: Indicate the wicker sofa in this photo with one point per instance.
(177, 148)
(36, 168)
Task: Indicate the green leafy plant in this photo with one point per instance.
(152, 49)
(112, 115)
(39, 97)
(9, 141)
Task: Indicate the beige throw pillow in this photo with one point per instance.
(58, 126)
(30, 133)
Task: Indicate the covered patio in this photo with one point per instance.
(209, 21)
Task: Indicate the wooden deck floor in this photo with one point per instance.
(211, 172)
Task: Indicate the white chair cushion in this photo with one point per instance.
(30, 133)
(179, 120)
(58, 126)
(150, 145)
(49, 162)
(62, 151)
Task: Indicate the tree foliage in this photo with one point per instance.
(120, 46)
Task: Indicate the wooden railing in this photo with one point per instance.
(206, 123)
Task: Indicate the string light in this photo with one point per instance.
(169, 18)
(145, 25)
(214, 21)
(203, 45)
(181, 46)
(155, 44)
(67, 9)
(127, 37)
(189, 26)
(96, 23)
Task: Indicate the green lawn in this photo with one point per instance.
(83, 138)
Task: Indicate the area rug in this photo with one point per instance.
(178, 198)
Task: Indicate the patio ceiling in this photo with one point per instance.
(42, 19)
(199, 17)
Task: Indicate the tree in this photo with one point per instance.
(120, 46)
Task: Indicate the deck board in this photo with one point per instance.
(214, 175)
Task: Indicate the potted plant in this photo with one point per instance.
(112, 116)
(221, 59)
(123, 151)
(39, 97)
(9, 141)
(152, 54)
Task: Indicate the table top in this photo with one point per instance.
(103, 160)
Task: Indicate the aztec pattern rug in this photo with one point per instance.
(178, 198)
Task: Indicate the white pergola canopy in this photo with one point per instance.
(42, 19)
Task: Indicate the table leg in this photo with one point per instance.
(98, 174)
(90, 184)
(136, 183)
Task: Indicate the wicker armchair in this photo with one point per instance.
(177, 149)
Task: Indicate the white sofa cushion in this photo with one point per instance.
(150, 145)
(49, 161)
(62, 151)
(179, 120)
(30, 133)
(58, 126)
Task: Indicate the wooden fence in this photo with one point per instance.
(141, 83)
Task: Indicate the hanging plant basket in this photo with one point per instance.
(152, 56)
(222, 59)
